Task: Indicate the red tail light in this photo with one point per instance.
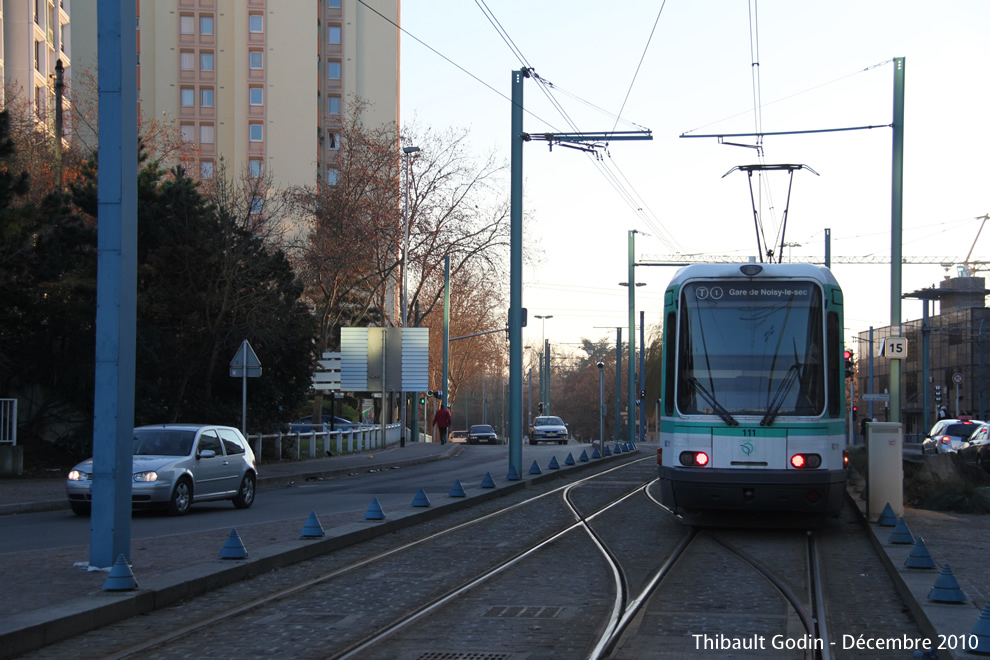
(659, 455)
(806, 461)
(946, 440)
(694, 458)
(845, 459)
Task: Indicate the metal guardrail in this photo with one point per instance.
(8, 422)
(356, 439)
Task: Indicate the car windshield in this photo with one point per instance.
(751, 349)
(482, 429)
(960, 430)
(548, 421)
(163, 442)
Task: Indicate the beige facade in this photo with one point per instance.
(250, 80)
(35, 35)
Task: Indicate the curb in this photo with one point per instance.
(22, 633)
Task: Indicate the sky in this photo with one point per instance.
(820, 66)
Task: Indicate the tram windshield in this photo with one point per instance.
(751, 347)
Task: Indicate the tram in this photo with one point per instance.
(752, 394)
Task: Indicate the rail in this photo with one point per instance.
(356, 439)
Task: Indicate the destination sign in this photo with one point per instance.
(749, 291)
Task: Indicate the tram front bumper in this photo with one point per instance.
(811, 491)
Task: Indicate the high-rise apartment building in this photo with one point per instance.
(35, 35)
(250, 80)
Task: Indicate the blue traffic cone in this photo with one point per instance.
(553, 465)
(981, 631)
(569, 460)
(312, 529)
(947, 589)
(901, 534)
(120, 578)
(618, 449)
(233, 547)
(488, 482)
(513, 475)
(374, 511)
(457, 490)
(919, 556)
(887, 517)
(535, 469)
(596, 453)
(584, 456)
(421, 499)
(606, 451)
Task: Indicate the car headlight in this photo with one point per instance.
(143, 477)
(76, 475)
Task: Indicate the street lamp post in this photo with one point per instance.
(601, 402)
(631, 375)
(545, 372)
(408, 151)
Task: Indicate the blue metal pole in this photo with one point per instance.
(515, 274)
(896, 209)
(642, 376)
(116, 288)
(631, 385)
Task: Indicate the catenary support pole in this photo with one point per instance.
(896, 209)
(515, 273)
(618, 384)
(631, 385)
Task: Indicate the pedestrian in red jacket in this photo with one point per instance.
(441, 420)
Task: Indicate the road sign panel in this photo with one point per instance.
(875, 397)
(957, 379)
(894, 348)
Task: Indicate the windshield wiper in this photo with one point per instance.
(716, 406)
(782, 391)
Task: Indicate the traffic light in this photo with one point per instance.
(848, 355)
(422, 400)
(540, 407)
(855, 410)
(938, 394)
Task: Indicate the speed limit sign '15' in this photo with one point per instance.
(894, 348)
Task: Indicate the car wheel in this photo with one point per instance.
(181, 498)
(80, 508)
(245, 495)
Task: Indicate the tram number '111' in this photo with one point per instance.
(749, 433)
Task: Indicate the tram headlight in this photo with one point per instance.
(806, 461)
(693, 458)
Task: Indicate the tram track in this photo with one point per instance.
(161, 645)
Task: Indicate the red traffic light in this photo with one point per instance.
(847, 354)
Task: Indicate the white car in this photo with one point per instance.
(175, 465)
(548, 429)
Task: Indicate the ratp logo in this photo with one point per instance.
(747, 448)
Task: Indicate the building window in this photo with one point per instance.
(256, 133)
(186, 24)
(206, 169)
(257, 96)
(333, 141)
(333, 70)
(255, 60)
(257, 203)
(206, 97)
(255, 168)
(255, 24)
(333, 4)
(206, 24)
(206, 61)
(187, 60)
(187, 132)
(333, 34)
(187, 97)
(332, 175)
(39, 102)
(333, 105)
(206, 134)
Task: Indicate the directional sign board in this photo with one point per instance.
(328, 377)
(875, 397)
(245, 355)
(894, 348)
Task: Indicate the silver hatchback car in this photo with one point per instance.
(175, 465)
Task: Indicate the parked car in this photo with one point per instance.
(458, 436)
(175, 465)
(977, 448)
(548, 429)
(948, 434)
(482, 433)
(305, 425)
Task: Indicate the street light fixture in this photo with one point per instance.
(408, 151)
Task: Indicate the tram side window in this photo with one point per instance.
(835, 380)
(670, 342)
